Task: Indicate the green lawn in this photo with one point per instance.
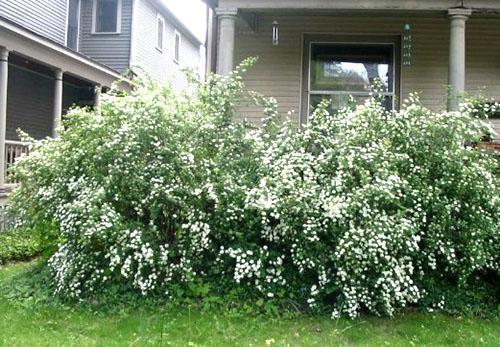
(28, 323)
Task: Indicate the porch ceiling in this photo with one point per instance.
(486, 6)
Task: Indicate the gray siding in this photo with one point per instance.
(71, 96)
(157, 64)
(45, 17)
(29, 103)
(110, 49)
(77, 96)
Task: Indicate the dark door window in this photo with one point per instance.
(107, 16)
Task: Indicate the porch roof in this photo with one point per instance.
(47, 52)
(485, 6)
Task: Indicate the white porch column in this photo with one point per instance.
(4, 75)
(58, 97)
(227, 29)
(97, 97)
(456, 64)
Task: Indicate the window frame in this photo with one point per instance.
(159, 18)
(309, 40)
(78, 23)
(177, 50)
(118, 19)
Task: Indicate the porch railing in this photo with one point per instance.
(494, 146)
(13, 150)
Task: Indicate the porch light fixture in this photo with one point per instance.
(276, 33)
(407, 45)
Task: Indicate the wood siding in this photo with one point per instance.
(278, 71)
(44, 17)
(110, 49)
(160, 65)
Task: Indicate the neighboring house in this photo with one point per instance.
(161, 45)
(314, 49)
(57, 53)
(143, 35)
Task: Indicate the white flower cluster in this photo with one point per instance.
(246, 267)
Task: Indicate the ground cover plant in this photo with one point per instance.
(17, 245)
(364, 210)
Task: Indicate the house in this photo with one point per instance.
(310, 50)
(57, 53)
(161, 44)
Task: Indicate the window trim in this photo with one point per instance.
(177, 52)
(118, 19)
(159, 17)
(78, 23)
(361, 39)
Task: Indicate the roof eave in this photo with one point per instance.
(177, 22)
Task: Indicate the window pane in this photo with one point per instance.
(340, 101)
(351, 67)
(160, 34)
(106, 16)
(72, 38)
(177, 47)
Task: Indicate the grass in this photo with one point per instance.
(30, 323)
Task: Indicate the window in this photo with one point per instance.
(338, 70)
(106, 16)
(177, 46)
(73, 24)
(159, 32)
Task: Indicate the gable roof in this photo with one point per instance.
(179, 25)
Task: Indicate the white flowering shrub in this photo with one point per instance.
(142, 192)
(374, 209)
(360, 210)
